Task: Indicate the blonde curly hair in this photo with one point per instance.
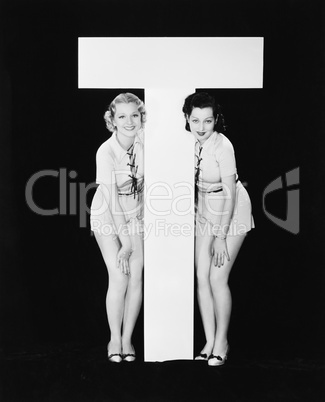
(123, 98)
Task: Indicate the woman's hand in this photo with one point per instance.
(219, 251)
(123, 260)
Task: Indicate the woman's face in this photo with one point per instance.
(127, 119)
(202, 123)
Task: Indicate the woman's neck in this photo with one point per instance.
(124, 141)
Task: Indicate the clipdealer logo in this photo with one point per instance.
(292, 221)
(73, 197)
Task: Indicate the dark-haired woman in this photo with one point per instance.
(223, 218)
(117, 219)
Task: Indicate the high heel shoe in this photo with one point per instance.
(218, 360)
(201, 356)
(129, 357)
(115, 357)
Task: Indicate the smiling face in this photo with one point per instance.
(202, 123)
(127, 119)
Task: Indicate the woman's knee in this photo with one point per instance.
(136, 260)
(202, 276)
(136, 275)
(117, 282)
(116, 278)
(218, 279)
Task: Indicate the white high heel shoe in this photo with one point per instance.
(114, 357)
(201, 356)
(218, 360)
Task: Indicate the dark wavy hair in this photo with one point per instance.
(202, 100)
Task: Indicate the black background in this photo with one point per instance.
(53, 280)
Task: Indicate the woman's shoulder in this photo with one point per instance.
(221, 146)
(106, 148)
(223, 142)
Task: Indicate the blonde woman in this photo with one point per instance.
(117, 219)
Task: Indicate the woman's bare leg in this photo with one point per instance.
(204, 292)
(133, 299)
(117, 285)
(222, 295)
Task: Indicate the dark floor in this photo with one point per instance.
(81, 373)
